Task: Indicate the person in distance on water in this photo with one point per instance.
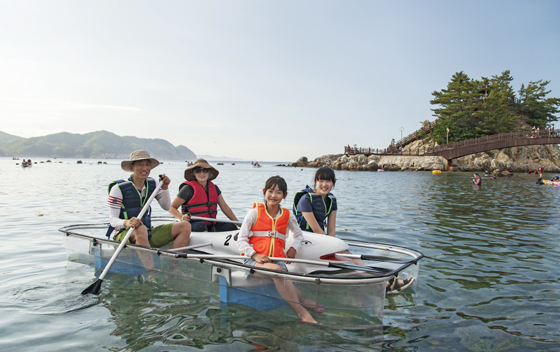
(199, 196)
(316, 209)
(263, 234)
(477, 180)
(126, 199)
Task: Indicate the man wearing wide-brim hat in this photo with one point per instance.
(199, 196)
(126, 199)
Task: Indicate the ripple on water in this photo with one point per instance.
(489, 280)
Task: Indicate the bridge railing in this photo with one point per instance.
(395, 150)
(416, 134)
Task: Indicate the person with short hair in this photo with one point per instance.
(126, 199)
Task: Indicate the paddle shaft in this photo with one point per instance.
(294, 260)
(130, 230)
(374, 258)
(197, 218)
(95, 287)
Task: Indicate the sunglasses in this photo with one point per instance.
(198, 170)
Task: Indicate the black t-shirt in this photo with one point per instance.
(187, 192)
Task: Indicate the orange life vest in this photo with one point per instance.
(269, 235)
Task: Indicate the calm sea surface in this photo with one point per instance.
(489, 281)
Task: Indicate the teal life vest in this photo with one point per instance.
(320, 209)
(133, 202)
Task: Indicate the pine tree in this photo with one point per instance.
(535, 107)
(471, 108)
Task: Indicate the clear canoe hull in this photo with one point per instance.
(350, 297)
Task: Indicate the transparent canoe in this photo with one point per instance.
(351, 291)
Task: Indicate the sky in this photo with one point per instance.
(258, 80)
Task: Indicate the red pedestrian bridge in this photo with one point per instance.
(470, 146)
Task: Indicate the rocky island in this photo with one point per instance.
(515, 159)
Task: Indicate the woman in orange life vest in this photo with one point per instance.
(199, 196)
(263, 234)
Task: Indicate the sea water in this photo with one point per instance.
(488, 282)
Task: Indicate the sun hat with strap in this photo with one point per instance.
(189, 172)
(136, 156)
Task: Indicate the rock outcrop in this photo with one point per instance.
(360, 162)
(515, 159)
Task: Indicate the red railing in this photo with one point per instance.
(471, 146)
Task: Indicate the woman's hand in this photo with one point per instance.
(186, 217)
(290, 254)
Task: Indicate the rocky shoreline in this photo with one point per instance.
(516, 159)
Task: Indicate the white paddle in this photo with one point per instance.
(197, 218)
(94, 288)
(294, 260)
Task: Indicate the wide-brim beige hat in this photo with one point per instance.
(189, 172)
(138, 155)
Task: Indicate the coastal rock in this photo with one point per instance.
(360, 162)
(515, 159)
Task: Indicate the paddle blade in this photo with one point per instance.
(93, 288)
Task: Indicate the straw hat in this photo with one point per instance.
(189, 172)
(138, 155)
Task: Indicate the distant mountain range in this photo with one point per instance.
(94, 145)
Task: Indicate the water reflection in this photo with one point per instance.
(489, 280)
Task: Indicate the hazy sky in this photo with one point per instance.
(258, 80)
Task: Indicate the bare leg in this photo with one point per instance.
(181, 232)
(140, 237)
(289, 293)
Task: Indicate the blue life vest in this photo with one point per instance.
(318, 205)
(133, 202)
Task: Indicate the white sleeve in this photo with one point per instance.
(164, 199)
(115, 203)
(245, 232)
(294, 228)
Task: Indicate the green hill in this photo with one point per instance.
(100, 144)
(6, 138)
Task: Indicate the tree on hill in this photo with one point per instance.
(535, 106)
(475, 108)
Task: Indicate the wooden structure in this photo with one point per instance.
(471, 146)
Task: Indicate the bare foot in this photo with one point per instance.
(315, 306)
(307, 318)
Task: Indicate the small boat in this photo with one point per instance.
(436, 172)
(380, 170)
(352, 295)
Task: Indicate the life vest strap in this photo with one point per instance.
(273, 234)
(209, 204)
(210, 212)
